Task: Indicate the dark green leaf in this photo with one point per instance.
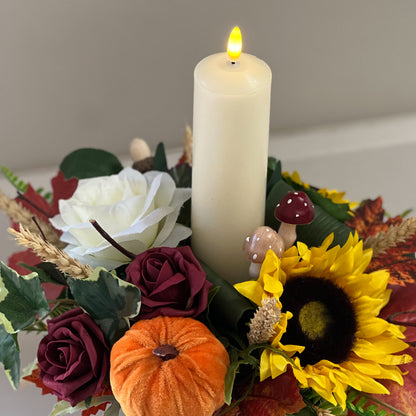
(312, 234)
(234, 310)
(339, 211)
(109, 300)
(88, 402)
(22, 299)
(182, 175)
(90, 163)
(159, 161)
(10, 356)
(306, 411)
(229, 380)
(274, 173)
(47, 272)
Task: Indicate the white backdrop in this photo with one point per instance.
(100, 72)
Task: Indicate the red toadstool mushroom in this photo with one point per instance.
(295, 208)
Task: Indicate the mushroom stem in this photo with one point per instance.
(288, 234)
(254, 270)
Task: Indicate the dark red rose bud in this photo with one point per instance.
(171, 280)
(73, 358)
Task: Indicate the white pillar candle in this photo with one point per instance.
(231, 132)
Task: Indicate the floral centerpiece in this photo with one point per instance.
(133, 321)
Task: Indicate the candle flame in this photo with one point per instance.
(234, 44)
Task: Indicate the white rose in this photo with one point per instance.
(138, 210)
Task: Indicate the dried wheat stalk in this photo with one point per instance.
(188, 145)
(21, 215)
(50, 253)
(395, 234)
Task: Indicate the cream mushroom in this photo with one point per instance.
(256, 246)
(295, 208)
(141, 155)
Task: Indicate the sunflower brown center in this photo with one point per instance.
(323, 321)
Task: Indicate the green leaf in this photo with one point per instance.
(109, 300)
(10, 356)
(64, 408)
(234, 309)
(113, 410)
(182, 175)
(159, 161)
(312, 234)
(47, 272)
(20, 185)
(90, 163)
(22, 299)
(339, 211)
(306, 411)
(274, 173)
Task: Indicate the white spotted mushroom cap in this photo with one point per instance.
(260, 241)
(295, 208)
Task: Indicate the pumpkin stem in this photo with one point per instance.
(166, 352)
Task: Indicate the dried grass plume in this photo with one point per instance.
(21, 215)
(263, 322)
(48, 252)
(383, 241)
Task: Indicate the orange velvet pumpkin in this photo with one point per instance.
(168, 366)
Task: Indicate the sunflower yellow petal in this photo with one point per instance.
(367, 306)
(376, 370)
(343, 265)
(272, 285)
(251, 290)
(325, 392)
(265, 370)
(372, 327)
(380, 349)
(338, 389)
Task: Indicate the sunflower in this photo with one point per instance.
(335, 307)
(334, 195)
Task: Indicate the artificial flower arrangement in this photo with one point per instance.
(133, 321)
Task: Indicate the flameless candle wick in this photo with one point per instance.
(235, 45)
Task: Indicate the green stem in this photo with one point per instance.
(241, 398)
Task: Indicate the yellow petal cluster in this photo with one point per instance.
(374, 353)
(334, 195)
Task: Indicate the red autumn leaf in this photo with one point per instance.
(400, 260)
(402, 300)
(93, 410)
(368, 219)
(39, 206)
(34, 378)
(272, 397)
(182, 159)
(28, 257)
(52, 291)
(62, 189)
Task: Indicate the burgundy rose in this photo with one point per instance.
(171, 280)
(73, 358)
